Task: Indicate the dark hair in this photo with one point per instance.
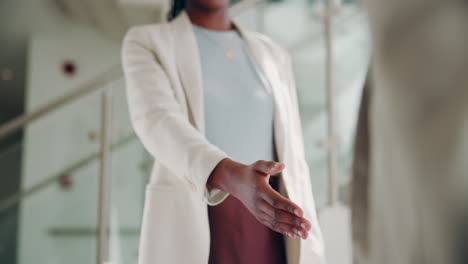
(177, 7)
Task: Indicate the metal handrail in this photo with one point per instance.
(104, 179)
(87, 87)
(330, 87)
(14, 199)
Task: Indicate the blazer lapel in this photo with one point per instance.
(189, 68)
(268, 68)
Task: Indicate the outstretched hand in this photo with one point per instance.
(250, 184)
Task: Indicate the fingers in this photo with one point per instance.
(278, 201)
(283, 216)
(283, 228)
(268, 167)
(288, 218)
(283, 222)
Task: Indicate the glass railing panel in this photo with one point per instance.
(58, 223)
(130, 169)
(55, 212)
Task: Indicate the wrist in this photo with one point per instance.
(224, 175)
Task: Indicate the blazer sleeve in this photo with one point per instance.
(159, 121)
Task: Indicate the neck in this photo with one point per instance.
(217, 19)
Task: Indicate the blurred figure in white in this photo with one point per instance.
(410, 173)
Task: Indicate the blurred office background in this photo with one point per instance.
(66, 143)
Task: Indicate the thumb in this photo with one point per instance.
(268, 167)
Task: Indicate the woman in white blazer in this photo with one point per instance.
(203, 204)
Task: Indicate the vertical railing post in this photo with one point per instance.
(331, 133)
(260, 8)
(103, 206)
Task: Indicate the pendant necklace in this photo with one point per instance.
(227, 51)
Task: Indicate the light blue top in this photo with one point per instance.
(239, 106)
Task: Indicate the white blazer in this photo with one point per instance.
(165, 92)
